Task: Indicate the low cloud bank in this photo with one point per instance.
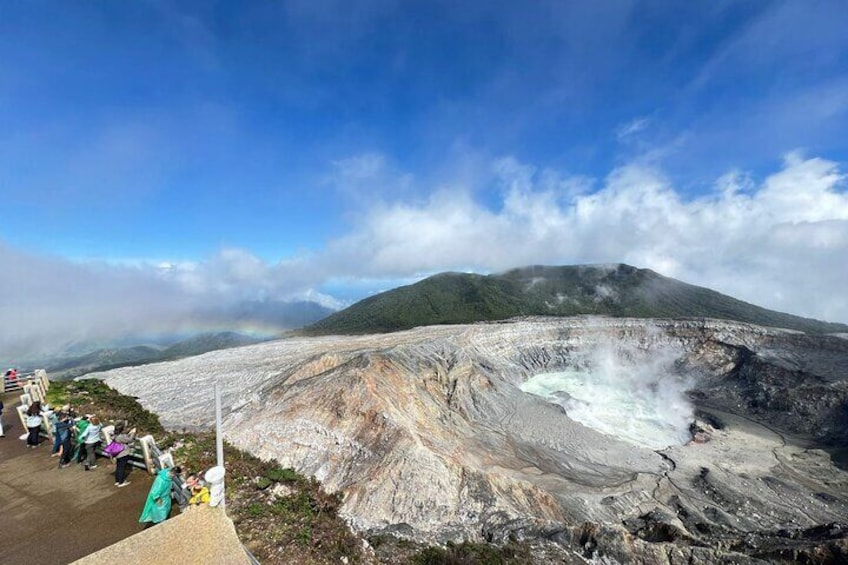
(48, 302)
(781, 243)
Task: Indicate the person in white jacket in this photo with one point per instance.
(91, 439)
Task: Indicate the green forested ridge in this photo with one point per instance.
(610, 290)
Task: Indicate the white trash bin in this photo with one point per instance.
(215, 479)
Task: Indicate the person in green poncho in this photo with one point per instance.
(158, 504)
(79, 451)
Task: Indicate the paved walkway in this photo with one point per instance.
(54, 516)
(199, 536)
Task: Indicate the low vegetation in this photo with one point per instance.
(94, 397)
(280, 515)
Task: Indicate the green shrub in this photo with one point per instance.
(304, 536)
(279, 475)
(467, 553)
(256, 509)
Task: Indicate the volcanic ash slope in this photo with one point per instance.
(427, 432)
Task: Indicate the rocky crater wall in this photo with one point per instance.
(428, 435)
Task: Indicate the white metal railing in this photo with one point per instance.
(12, 384)
(33, 386)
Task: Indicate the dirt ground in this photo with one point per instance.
(50, 515)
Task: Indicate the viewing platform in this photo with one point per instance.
(52, 515)
(73, 515)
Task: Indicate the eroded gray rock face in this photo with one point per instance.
(426, 432)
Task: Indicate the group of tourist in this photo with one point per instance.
(78, 438)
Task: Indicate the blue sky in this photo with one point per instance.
(281, 149)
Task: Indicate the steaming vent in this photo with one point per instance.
(635, 395)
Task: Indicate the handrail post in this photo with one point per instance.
(219, 439)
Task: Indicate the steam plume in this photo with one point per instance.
(633, 393)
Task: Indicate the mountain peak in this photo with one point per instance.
(615, 289)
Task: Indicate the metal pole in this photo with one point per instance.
(219, 437)
(219, 440)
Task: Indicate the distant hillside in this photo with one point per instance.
(268, 313)
(113, 358)
(119, 356)
(610, 290)
(268, 317)
(206, 342)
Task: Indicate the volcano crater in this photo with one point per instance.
(432, 432)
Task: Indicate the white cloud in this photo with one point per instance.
(46, 302)
(785, 33)
(366, 176)
(781, 242)
(627, 130)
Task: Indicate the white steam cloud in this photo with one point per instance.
(626, 392)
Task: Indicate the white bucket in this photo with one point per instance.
(215, 478)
